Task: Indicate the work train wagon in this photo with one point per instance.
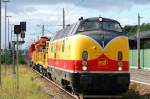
(88, 57)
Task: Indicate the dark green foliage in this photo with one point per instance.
(145, 27)
(7, 58)
(132, 29)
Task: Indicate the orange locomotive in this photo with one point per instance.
(88, 57)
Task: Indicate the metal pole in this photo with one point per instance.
(8, 41)
(12, 45)
(63, 18)
(13, 51)
(17, 62)
(5, 34)
(8, 30)
(0, 49)
(8, 26)
(43, 30)
(11, 35)
(138, 41)
(5, 1)
(5, 21)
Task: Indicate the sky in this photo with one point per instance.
(49, 12)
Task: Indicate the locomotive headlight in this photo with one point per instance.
(84, 65)
(119, 68)
(100, 19)
(120, 57)
(84, 68)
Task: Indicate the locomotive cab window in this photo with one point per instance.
(51, 47)
(89, 26)
(96, 25)
(112, 26)
(63, 45)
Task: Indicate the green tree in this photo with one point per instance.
(132, 29)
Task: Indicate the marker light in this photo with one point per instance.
(84, 63)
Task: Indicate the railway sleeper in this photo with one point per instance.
(44, 71)
(49, 75)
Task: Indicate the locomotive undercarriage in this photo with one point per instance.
(88, 83)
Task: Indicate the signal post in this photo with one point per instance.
(18, 30)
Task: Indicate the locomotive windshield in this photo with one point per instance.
(112, 26)
(95, 25)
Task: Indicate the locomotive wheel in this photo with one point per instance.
(68, 88)
(49, 76)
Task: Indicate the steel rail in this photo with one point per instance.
(75, 96)
(58, 86)
(140, 82)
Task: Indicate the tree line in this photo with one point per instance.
(132, 29)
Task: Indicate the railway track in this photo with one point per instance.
(62, 94)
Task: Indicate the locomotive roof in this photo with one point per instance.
(97, 18)
(71, 29)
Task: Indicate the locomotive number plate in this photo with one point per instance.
(102, 62)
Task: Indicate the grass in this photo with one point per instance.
(29, 88)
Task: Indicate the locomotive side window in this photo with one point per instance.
(59, 34)
(63, 45)
(63, 33)
(67, 30)
(51, 47)
(55, 55)
(72, 29)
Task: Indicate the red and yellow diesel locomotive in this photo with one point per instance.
(88, 57)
